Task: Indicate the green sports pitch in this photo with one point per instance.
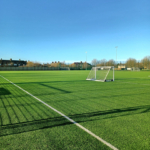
(118, 112)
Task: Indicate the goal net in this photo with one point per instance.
(64, 68)
(135, 69)
(103, 74)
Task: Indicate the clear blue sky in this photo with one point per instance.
(63, 30)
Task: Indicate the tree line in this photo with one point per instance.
(129, 63)
(74, 66)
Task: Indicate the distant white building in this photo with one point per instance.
(121, 66)
(129, 68)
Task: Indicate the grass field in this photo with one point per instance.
(118, 112)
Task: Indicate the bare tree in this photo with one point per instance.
(33, 64)
(94, 62)
(103, 62)
(37, 64)
(111, 62)
(30, 64)
(146, 62)
(131, 62)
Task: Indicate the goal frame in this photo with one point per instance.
(103, 80)
(64, 68)
(135, 69)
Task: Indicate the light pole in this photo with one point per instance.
(116, 54)
(86, 60)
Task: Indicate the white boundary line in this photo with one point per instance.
(77, 124)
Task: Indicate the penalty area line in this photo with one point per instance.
(77, 124)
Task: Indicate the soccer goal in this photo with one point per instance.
(64, 68)
(103, 74)
(135, 69)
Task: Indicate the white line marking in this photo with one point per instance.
(77, 124)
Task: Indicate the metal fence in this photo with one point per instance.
(42, 68)
(28, 68)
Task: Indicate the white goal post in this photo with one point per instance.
(102, 73)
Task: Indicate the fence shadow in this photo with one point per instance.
(4, 91)
(34, 110)
(28, 126)
(98, 115)
(20, 127)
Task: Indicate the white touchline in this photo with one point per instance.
(77, 124)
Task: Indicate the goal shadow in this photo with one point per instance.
(54, 88)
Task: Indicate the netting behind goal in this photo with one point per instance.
(64, 68)
(105, 73)
(135, 69)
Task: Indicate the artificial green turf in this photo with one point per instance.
(117, 111)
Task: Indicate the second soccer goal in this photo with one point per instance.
(103, 74)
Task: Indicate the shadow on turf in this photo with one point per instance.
(110, 113)
(4, 91)
(20, 117)
(58, 89)
(20, 127)
(68, 82)
(62, 91)
(27, 126)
